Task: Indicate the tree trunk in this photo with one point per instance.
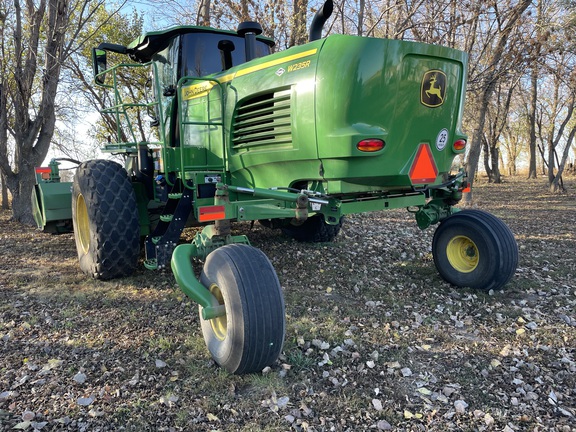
(204, 13)
(551, 164)
(21, 187)
(556, 184)
(361, 7)
(486, 154)
(495, 158)
(5, 204)
(532, 120)
(298, 34)
(476, 144)
(532, 164)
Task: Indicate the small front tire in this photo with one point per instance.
(475, 249)
(251, 334)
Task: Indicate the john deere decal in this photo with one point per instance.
(433, 89)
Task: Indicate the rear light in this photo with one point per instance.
(370, 145)
(459, 145)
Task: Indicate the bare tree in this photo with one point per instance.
(497, 113)
(534, 91)
(496, 63)
(556, 118)
(513, 144)
(37, 38)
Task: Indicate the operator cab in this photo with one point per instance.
(198, 51)
(194, 52)
(188, 51)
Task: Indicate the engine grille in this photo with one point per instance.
(263, 121)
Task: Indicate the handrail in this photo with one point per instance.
(119, 110)
(183, 122)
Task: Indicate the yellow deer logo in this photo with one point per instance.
(433, 89)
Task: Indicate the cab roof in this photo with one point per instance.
(144, 47)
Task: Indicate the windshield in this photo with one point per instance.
(207, 53)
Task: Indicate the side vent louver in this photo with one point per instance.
(263, 121)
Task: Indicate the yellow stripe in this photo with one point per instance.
(189, 91)
(274, 63)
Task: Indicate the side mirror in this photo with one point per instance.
(99, 65)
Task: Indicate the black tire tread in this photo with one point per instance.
(261, 305)
(314, 230)
(114, 226)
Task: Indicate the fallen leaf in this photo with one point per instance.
(85, 401)
(406, 372)
(488, 419)
(28, 416)
(80, 378)
(460, 406)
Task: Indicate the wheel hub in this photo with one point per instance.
(82, 224)
(463, 254)
(219, 324)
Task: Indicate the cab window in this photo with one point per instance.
(205, 53)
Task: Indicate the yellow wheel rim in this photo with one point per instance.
(82, 224)
(219, 324)
(463, 254)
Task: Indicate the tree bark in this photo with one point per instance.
(532, 169)
(495, 162)
(532, 172)
(361, 10)
(5, 204)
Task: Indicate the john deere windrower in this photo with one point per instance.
(296, 140)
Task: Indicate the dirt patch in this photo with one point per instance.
(375, 339)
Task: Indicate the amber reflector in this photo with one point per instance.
(211, 213)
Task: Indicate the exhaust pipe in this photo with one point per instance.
(249, 30)
(319, 20)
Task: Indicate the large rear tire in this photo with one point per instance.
(314, 230)
(105, 220)
(251, 334)
(475, 249)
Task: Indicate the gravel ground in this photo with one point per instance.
(375, 339)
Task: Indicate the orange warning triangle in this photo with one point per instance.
(423, 168)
